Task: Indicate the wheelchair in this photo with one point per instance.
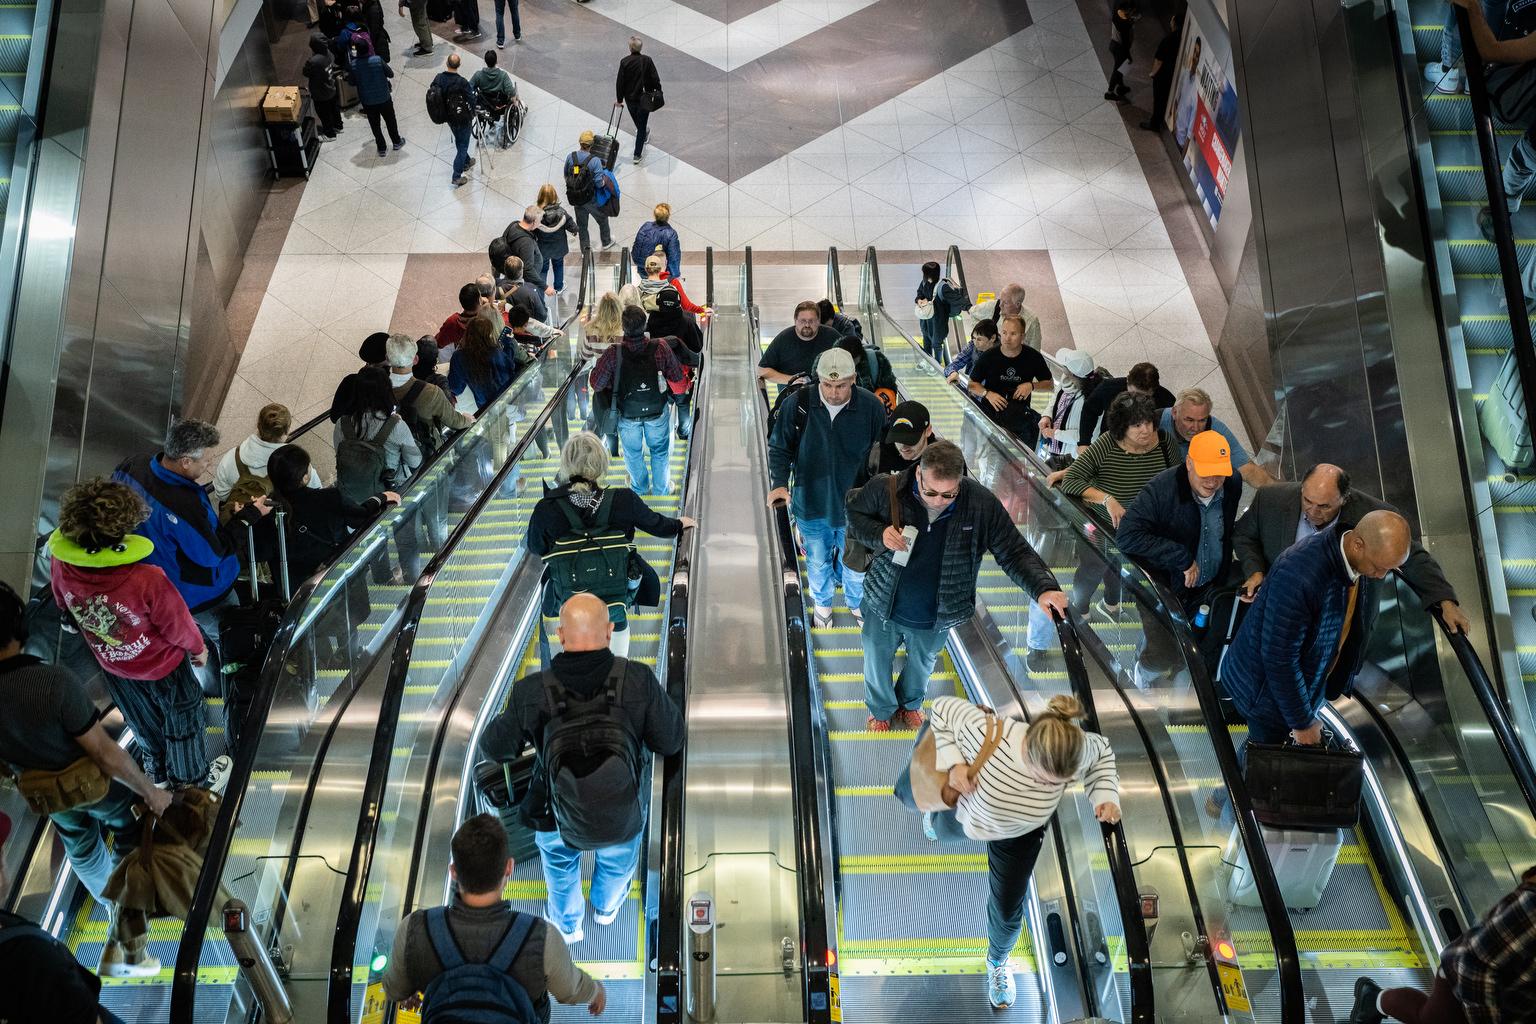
(497, 126)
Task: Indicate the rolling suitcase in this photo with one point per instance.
(246, 634)
(1303, 863)
(501, 789)
(606, 146)
(1503, 417)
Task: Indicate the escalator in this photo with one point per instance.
(1423, 863)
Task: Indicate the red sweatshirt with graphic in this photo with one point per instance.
(135, 621)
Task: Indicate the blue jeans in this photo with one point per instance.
(559, 265)
(461, 137)
(824, 571)
(613, 869)
(653, 436)
(1450, 39)
(82, 829)
(517, 24)
(881, 638)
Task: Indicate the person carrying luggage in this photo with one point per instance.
(479, 956)
(139, 628)
(585, 179)
(1010, 800)
(585, 533)
(594, 719)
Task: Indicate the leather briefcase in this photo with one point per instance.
(1305, 787)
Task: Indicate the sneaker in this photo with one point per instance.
(1449, 83)
(1000, 988)
(112, 964)
(469, 163)
(460, 180)
(858, 616)
(1037, 660)
(571, 938)
(1365, 1010)
(637, 157)
(1485, 223)
(909, 718)
(383, 151)
(421, 51)
(929, 832)
(821, 617)
(501, 44)
(608, 244)
(400, 145)
(218, 774)
(605, 919)
(1433, 71)
(873, 724)
(1107, 610)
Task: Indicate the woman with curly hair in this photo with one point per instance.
(138, 627)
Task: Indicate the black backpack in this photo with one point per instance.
(428, 437)
(789, 390)
(637, 387)
(362, 464)
(447, 107)
(580, 185)
(592, 764)
(590, 559)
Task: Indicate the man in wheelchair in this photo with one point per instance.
(498, 111)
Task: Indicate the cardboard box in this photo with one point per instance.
(282, 104)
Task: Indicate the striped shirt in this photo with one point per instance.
(1010, 799)
(1115, 471)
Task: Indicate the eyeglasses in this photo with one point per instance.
(946, 495)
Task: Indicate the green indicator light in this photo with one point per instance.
(380, 961)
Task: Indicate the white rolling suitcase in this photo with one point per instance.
(1303, 863)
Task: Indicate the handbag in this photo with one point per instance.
(80, 784)
(1312, 788)
(923, 787)
(1512, 92)
(652, 99)
(923, 310)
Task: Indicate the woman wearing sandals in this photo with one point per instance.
(1007, 799)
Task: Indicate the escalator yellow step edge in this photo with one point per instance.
(866, 947)
(205, 975)
(858, 677)
(904, 735)
(834, 705)
(900, 966)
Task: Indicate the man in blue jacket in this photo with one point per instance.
(200, 556)
(1180, 529)
(823, 435)
(1299, 644)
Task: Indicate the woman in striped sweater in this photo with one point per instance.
(1110, 474)
(1012, 798)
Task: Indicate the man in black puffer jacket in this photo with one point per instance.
(643, 709)
(957, 520)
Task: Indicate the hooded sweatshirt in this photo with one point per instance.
(317, 69)
(130, 615)
(552, 230)
(254, 452)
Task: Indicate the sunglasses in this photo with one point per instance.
(926, 492)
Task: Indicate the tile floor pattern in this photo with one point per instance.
(1012, 149)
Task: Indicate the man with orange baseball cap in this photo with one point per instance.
(1180, 528)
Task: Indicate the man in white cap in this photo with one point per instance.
(822, 436)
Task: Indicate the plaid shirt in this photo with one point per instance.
(1492, 968)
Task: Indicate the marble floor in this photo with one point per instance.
(1005, 147)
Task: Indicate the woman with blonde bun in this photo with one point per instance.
(1009, 801)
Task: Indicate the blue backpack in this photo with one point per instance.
(471, 993)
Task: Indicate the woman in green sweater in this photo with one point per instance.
(1110, 474)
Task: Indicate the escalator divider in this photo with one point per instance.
(1250, 835)
(1138, 954)
(668, 953)
(817, 902)
(349, 915)
(1498, 209)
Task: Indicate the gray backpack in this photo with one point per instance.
(362, 465)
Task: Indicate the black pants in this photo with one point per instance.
(467, 14)
(1162, 85)
(1119, 56)
(642, 118)
(386, 113)
(1010, 863)
(329, 113)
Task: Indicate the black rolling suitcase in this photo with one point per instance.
(246, 634)
(502, 789)
(606, 146)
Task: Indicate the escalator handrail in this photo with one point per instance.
(670, 931)
(815, 942)
(354, 889)
(1287, 957)
(834, 279)
(954, 269)
(746, 278)
(1498, 208)
(1138, 953)
(189, 952)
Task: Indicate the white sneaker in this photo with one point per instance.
(605, 919)
(1446, 80)
(571, 938)
(1001, 992)
(218, 774)
(112, 964)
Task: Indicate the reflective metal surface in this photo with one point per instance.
(739, 833)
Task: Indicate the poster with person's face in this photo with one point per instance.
(1203, 114)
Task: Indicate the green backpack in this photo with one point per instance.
(591, 559)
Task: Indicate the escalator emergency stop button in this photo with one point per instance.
(234, 920)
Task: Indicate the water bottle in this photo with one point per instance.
(1202, 616)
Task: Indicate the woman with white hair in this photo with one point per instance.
(1061, 427)
(578, 505)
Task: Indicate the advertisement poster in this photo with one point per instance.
(1203, 114)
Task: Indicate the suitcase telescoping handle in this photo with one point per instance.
(282, 554)
(250, 549)
(615, 118)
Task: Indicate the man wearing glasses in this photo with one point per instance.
(1190, 415)
(929, 526)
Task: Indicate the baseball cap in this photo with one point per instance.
(667, 298)
(1079, 363)
(909, 421)
(834, 365)
(585, 138)
(1210, 454)
(372, 348)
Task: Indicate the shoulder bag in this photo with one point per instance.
(925, 788)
